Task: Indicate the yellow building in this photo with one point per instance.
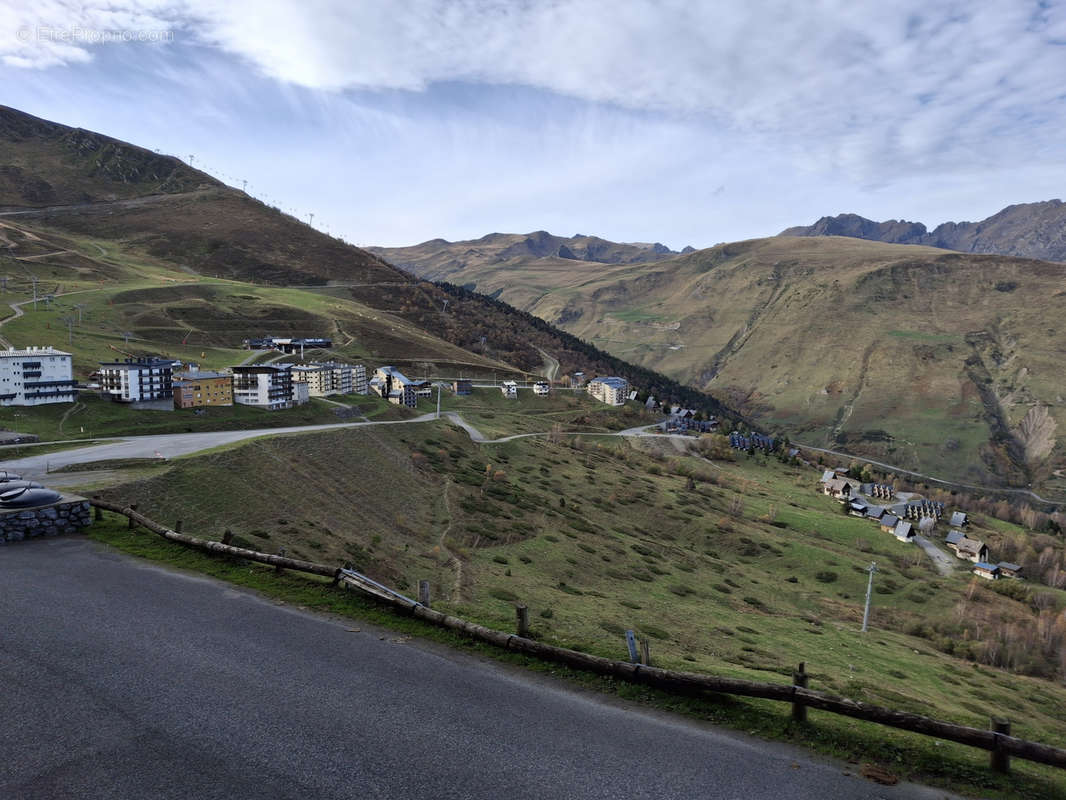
(203, 389)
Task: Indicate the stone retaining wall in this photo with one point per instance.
(68, 515)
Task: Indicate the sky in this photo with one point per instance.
(687, 122)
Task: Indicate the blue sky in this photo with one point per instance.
(677, 121)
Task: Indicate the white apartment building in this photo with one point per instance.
(541, 388)
(612, 391)
(137, 380)
(35, 376)
(509, 389)
(267, 386)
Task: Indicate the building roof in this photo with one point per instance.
(48, 350)
(875, 512)
(954, 537)
(827, 476)
(136, 363)
(986, 566)
(904, 530)
(971, 545)
(1009, 566)
(612, 381)
(889, 520)
(958, 518)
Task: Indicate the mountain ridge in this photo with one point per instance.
(1029, 230)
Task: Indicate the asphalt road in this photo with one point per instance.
(123, 680)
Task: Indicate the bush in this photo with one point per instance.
(500, 560)
(826, 576)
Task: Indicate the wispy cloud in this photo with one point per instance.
(844, 98)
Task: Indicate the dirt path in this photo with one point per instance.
(944, 563)
(453, 561)
(551, 364)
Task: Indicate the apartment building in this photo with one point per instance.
(541, 388)
(394, 386)
(327, 378)
(35, 376)
(611, 390)
(266, 386)
(200, 389)
(138, 380)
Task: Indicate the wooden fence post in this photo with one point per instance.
(98, 513)
(645, 652)
(631, 643)
(999, 759)
(799, 680)
(227, 536)
(423, 593)
(177, 526)
(133, 507)
(522, 615)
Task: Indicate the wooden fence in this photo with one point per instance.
(997, 740)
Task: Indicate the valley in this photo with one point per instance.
(933, 361)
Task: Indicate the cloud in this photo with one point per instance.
(794, 107)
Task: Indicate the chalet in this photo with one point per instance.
(875, 512)
(987, 571)
(462, 387)
(958, 519)
(953, 538)
(840, 488)
(827, 476)
(1008, 570)
(423, 388)
(509, 389)
(889, 523)
(922, 509)
(882, 491)
(857, 508)
(904, 531)
(970, 549)
(754, 441)
(541, 388)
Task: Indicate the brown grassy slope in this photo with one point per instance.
(439, 259)
(43, 163)
(929, 359)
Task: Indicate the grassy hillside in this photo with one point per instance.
(743, 570)
(155, 229)
(935, 361)
(43, 163)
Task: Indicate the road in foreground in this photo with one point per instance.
(124, 680)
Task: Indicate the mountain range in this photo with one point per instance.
(1029, 230)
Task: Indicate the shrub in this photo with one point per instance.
(500, 560)
(826, 576)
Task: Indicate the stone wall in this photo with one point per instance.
(68, 515)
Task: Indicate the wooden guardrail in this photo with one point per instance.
(996, 740)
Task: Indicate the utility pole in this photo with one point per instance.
(34, 279)
(80, 307)
(244, 186)
(126, 337)
(869, 589)
(70, 329)
(310, 219)
(438, 401)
